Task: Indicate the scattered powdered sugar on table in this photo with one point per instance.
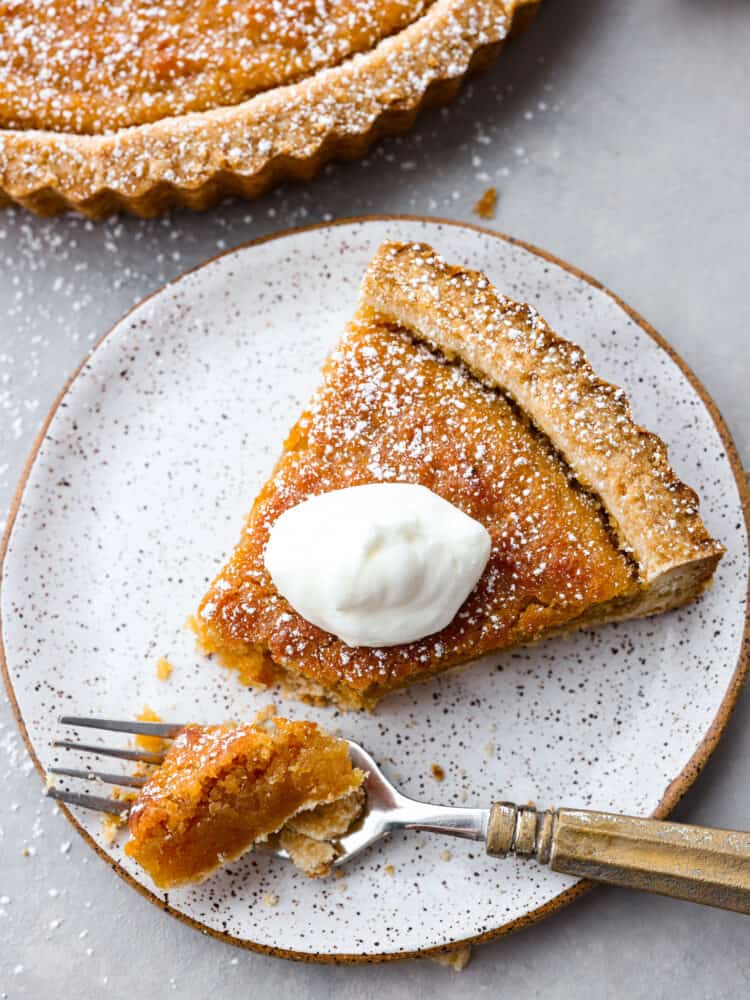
(65, 281)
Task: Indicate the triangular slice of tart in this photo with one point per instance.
(442, 381)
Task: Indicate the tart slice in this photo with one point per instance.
(443, 382)
(224, 788)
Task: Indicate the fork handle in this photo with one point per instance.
(696, 863)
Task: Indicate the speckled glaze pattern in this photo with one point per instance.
(136, 496)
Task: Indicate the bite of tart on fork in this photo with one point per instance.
(321, 801)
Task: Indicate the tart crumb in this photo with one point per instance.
(486, 205)
(271, 899)
(111, 826)
(445, 855)
(389, 870)
(438, 773)
(264, 714)
(163, 668)
(456, 960)
(338, 873)
(489, 748)
(123, 795)
(152, 743)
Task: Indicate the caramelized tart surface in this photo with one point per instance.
(392, 410)
(77, 66)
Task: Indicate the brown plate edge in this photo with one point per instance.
(676, 788)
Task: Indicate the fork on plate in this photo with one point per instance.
(700, 864)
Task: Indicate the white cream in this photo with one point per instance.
(377, 565)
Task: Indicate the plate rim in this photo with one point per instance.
(676, 788)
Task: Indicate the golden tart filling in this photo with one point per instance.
(224, 788)
(77, 66)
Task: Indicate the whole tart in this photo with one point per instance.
(442, 381)
(142, 105)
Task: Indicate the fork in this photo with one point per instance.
(700, 864)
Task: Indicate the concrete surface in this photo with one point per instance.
(618, 136)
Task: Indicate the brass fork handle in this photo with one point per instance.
(696, 863)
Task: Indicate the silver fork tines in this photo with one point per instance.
(125, 780)
(96, 802)
(163, 730)
(166, 730)
(144, 756)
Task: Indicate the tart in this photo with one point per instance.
(222, 789)
(442, 381)
(139, 106)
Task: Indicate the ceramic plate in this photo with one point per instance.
(136, 494)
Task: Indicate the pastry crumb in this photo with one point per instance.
(445, 855)
(456, 960)
(264, 714)
(111, 826)
(389, 870)
(438, 773)
(152, 743)
(163, 668)
(486, 205)
(312, 857)
(124, 795)
(489, 748)
(271, 899)
(338, 873)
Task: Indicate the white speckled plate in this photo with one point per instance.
(136, 493)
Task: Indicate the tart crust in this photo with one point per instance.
(442, 381)
(287, 133)
(589, 421)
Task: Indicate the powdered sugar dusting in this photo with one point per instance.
(77, 66)
(587, 419)
(333, 112)
(391, 410)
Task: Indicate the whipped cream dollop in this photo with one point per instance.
(377, 565)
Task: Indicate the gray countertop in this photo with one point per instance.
(618, 137)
